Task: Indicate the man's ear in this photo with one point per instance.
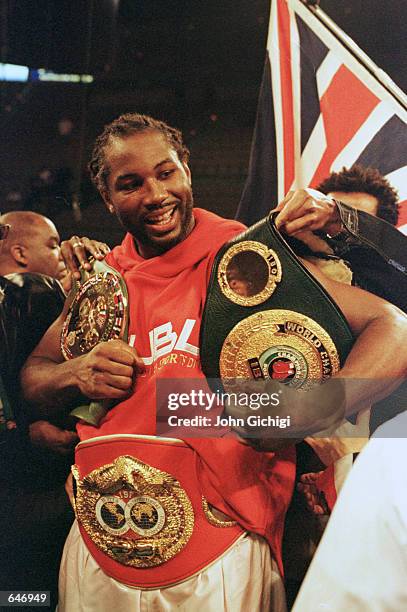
(20, 255)
(106, 199)
(187, 171)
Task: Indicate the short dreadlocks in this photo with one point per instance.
(365, 180)
(123, 126)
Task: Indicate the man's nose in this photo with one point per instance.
(154, 192)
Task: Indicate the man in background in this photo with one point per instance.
(356, 226)
(353, 218)
(32, 245)
(364, 189)
(35, 456)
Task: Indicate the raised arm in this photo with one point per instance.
(308, 209)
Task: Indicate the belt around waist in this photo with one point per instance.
(141, 512)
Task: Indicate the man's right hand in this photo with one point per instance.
(314, 496)
(308, 209)
(108, 371)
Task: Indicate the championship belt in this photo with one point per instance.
(267, 317)
(98, 312)
(141, 512)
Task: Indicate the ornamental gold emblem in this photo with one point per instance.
(282, 345)
(248, 273)
(138, 515)
(97, 314)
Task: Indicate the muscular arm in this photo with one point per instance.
(54, 385)
(107, 371)
(374, 367)
(377, 362)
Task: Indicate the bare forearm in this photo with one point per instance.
(106, 372)
(49, 387)
(377, 363)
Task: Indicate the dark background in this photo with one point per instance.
(197, 65)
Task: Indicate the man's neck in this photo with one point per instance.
(9, 268)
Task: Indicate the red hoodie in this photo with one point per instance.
(166, 300)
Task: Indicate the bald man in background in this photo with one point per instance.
(35, 457)
(32, 245)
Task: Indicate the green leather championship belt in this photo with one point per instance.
(267, 317)
(98, 312)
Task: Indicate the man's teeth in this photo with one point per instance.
(162, 219)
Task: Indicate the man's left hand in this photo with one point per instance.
(314, 497)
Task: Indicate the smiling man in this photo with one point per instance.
(147, 182)
(213, 540)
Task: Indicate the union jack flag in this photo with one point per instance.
(323, 105)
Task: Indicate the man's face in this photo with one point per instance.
(43, 252)
(357, 199)
(150, 191)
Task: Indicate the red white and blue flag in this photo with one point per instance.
(320, 108)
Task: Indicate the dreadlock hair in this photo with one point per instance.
(365, 180)
(122, 127)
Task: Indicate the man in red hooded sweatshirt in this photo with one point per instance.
(213, 539)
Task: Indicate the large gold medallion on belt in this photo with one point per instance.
(279, 344)
(97, 314)
(137, 514)
(248, 273)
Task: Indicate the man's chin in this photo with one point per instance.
(164, 243)
(152, 243)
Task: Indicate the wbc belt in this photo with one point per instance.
(141, 513)
(266, 316)
(98, 312)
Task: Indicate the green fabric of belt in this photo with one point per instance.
(297, 291)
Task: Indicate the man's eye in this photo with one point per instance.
(166, 173)
(131, 186)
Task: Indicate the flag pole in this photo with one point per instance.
(356, 51)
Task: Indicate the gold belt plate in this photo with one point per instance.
(97, 314)
(279, 344)
(138, 515)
